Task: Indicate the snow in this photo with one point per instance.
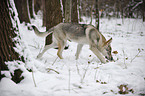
(85, 76)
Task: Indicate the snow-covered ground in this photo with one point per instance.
(85, 76)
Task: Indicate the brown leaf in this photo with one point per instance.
(115, 52)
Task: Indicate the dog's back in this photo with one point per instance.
(75, 32)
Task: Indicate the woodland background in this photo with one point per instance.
(54, 12)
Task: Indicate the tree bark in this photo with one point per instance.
(44, 13)
(7, 52)
(37, 5)
(31, 8)
(97, 14)
(53, 16)
(74, 14)
(143, 10)
(68, 8)
(22, 9)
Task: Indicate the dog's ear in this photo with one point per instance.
(107, 42)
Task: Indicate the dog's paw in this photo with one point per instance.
(103, 61)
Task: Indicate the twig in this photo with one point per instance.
(78, 68)
(69, 80)
(97, 68)
(124, 59)
(135, 55)
(33, 79)
(33, 46)
(49, 69)
(85, 72)
(54, 61)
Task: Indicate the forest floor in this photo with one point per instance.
(85, 76)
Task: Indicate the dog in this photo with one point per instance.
(81, 34)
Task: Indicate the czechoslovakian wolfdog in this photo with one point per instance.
(80, 33)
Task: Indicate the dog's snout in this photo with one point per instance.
(110, 58)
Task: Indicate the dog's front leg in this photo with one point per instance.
(79, 48)
(97, 53)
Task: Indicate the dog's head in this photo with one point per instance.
(106, 50)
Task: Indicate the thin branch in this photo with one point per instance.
(135, 56)
(33, 78)
(50, 69)
(78, 68)
(69, 80)
(85, 72)
(124, 59)
(54, 61)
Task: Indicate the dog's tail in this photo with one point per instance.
(41, 34)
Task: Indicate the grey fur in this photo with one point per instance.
(80, 33)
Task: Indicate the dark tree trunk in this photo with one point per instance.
(31, 9)
(68, 10)
(44, 13)
(37, 5)
(74, 12)
(143, 10)
(7, 53)
(22, 9)
(53, 16)
(74, 15)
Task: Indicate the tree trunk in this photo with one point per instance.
(91, 11)
(7, 52)
(22, 9)
(31, 9)
(68, 8)
(143, 10)
(97, 14)
(53, 16)
(73, 10)
(44, 13)
(37, 5)
(74, 15)
(79, 11)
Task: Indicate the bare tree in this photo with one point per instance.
(143, 10)
(44, 13)
(22, 9)
(68, 8)
(71, 8)
(97, 14)
(74, 12)
(37, 5)
(53, 16)
(31, 8)
(7, 52)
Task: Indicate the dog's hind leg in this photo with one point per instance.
(97, 53)
(61, 46)
(53, 45)
(79, 48)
